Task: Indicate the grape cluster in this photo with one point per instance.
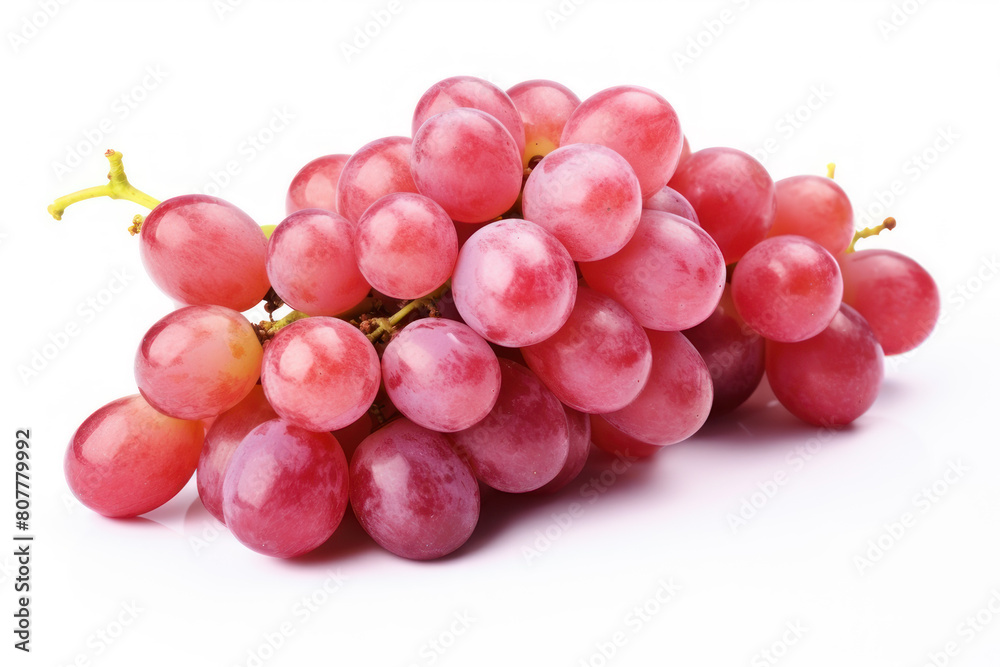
(527, 275)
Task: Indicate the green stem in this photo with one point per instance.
(831, 169)
(888, 223)
(117, 187)
(387, 324)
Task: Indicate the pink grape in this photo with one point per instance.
(379, 168)
(127, 459)
(733, 195)
(467, 162)
(587, 196)
(523, 442)
(311, 263)
(677, 398)
(198, 362)
(787, 288)
(406, 245)
(685, 151)
(579, 451)
(814, 207)
(897, 297)
(669, 200)
(599, 360)
(315, 185)
(670, 275)
(221, 441)
(412, 493)
(201, 250)
(544, 106)
(472, 93)
(637, 124)
(286, 489)
(320, 373)
(733, 352)
(609, 439)
(514, 283)
(830, 379)
(441, 374)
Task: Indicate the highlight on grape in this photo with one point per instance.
(479, 305)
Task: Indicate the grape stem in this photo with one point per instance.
(117, 187)
(387, 325)
(888, 223)
(831, 169)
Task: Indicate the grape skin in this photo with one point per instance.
(127, 459)
(198, 362)
(379, 168)
(441, 374)
(320, 373)
(315, 185)
(523, 443)
(787, 288)
(472, 93)
(514, 283)
(609, 439)
(733, 195)
(588, 197)
(637, 124)
(670, 275)
(830, 379)
(412, 493)
(896, 295)
(286, 489)
(599, 360)
(201, 250)
(311, 263)
(579, 452)
(545, 107)
(669, 200)
(221, 441)
(733, 352)
(467, 162)
(406, 245)
(677, 398)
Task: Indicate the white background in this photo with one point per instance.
(879, 97)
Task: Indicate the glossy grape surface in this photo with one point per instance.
(315, 185)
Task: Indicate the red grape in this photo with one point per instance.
(544, 106)
(379, 168)
(669, 200)
(472, 93)
(814, 207)
(579, 451)
(127, 459)
(315, 186)
(609, 439)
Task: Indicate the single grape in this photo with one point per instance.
(311, 263)
(286, 489)
(523, 442)
(320, 373)
(201, 250)
(198, 362)
(221, 441)
(412, 493)
(315, 185)
(897, 297)
(733, 195)
(669, 200)
(544, 106)
(830, 379)
(127, 459)
(636, 123)
(579, 451)
(406, 245)
(787, 288)
(677, 398)
(472, 93)
(441, 374)
(514, 283)
(670, 275)
(733, 352)
(685, 151)
(467, 162)
(379, 168)
(609, 439)
(814, 207)
(598, 361)
(587, 196)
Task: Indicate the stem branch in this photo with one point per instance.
(117, 187)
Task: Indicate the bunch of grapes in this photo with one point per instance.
(477, 304)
